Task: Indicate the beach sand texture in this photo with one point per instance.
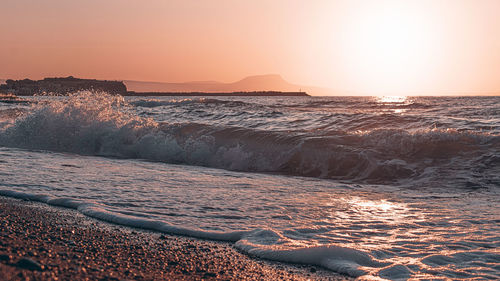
(38, 242)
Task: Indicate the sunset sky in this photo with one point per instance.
(422, 46)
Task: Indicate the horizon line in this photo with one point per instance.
(353, 93)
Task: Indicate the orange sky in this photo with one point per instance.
(385, 46)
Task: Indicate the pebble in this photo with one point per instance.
(29, 264)
(5, 258)
(210, 274)
(110, 255)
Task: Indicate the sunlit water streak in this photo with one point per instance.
(394, 187)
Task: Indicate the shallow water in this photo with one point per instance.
(391, 188)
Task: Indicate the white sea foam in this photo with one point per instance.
(261, 243)
(98, 124)
(339, 259)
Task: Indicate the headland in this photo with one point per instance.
(70, 84)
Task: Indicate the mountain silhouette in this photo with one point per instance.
(271, 82)
(268, 82)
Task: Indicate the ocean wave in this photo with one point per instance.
(158, 103)
(179, 102)
(98, 124)
(362, 103)
(11, 113)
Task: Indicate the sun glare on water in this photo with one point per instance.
(391, 99)
(394, 102)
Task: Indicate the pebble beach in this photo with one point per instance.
(39, 242)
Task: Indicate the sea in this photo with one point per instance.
(376, 188)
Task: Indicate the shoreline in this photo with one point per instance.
(42, 242)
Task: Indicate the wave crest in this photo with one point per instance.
(177, 102)
(99, 124)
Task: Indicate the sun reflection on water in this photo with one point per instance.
(395, 104)
(391, 99)
(373, 224)
(379, 210)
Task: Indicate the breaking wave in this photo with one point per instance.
(103, 125)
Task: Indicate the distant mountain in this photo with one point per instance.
(270, 82)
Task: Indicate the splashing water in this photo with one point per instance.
(393, 188)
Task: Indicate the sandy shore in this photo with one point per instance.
(40, 242)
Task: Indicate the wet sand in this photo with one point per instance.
(40, 242)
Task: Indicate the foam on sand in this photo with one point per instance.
(262, 243)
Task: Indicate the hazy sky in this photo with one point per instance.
(365, 46)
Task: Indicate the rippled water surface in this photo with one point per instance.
(394, 187)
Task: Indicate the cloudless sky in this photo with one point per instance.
(385, 46)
